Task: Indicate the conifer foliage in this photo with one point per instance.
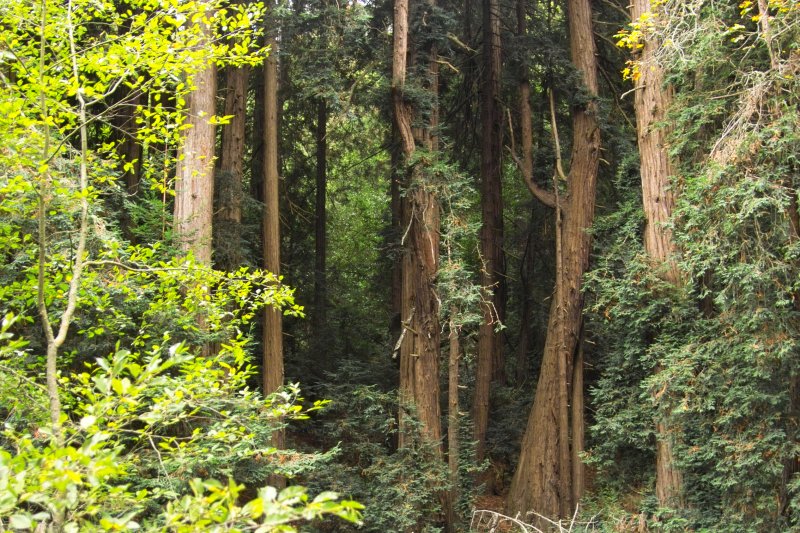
(580, 219)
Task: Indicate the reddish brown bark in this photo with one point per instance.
(273, 322)
(453, 417)
(231, 168)
(419, 349)
(651, 102)
(490, 361)
(543, 480)
(194, 184)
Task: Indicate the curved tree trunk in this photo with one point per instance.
(543, 480)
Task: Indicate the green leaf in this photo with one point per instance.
(20, 521)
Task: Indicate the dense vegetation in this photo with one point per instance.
(536, 257)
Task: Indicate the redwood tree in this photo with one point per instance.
(651, 102)
(491, 234)
(231, 167)
(194, 183)
(420, 335)
(543, 479)
(273, 322)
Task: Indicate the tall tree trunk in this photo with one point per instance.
(231, 169)
(419, 349)
(578, 441)
(543, 479)
(490, 363)
(526, 311)
(453, 417)
(320, 228)
(257, 137)
(129, 150)
(651, 102)
(194, 184)
(526, 163)
(395, 233)
(273, 324)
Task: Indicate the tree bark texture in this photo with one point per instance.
(419, 349)
(231, 170)
(526, 143)
(257, 137)
(490, 361)
(194, 184)
(273, 324)
(543, 477)
(578, 440)
(453, 417)
(651, 102)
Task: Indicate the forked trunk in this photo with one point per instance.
(543, 480)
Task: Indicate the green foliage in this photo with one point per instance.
(400, 488)
(716, 357)
(141, 425)
(145, 433)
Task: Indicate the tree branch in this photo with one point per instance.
(541, 194)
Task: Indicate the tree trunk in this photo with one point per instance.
(525, 314)
(543, 477)
(578, 441)
(396, 231)
(129, 150)
(194, 184)
(231, 169)
(651, 102)
(273, 324)
(453, 417)
(257, 137)
(490, 362)
(526, 140)
(419, 349)
(320, 228)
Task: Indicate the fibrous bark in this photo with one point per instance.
(194, 183)
(231, 168)
(651, 102)
(543, 480)
(419, 349)
(490, 362)
(273, 322)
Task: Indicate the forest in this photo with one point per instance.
(400, 265)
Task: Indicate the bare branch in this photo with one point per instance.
(541, 194)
